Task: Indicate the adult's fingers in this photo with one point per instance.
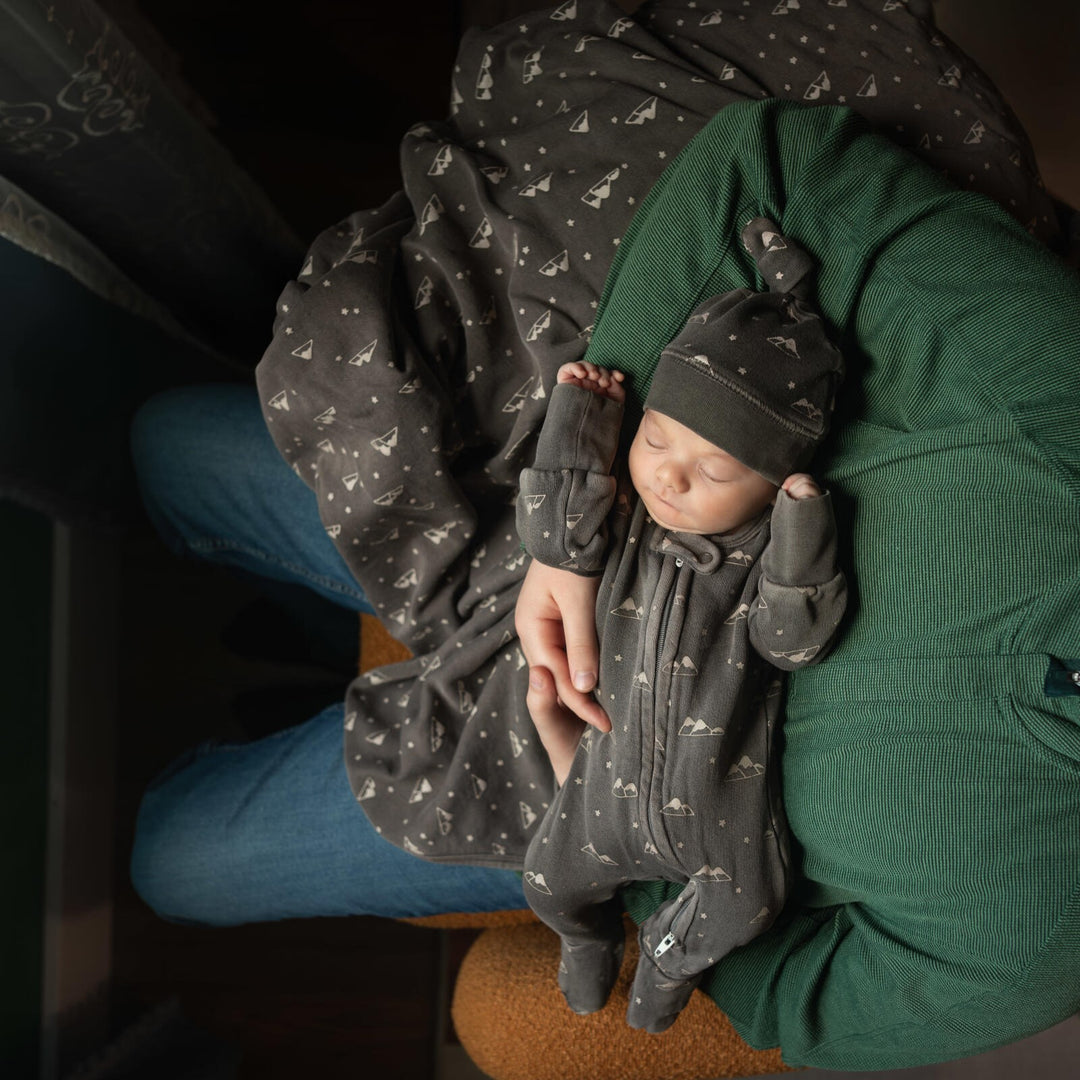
(579, 632)
(576, 599)
(554, 614)
(543, 643)
(559, 729)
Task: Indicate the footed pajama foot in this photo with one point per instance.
(657, 999)
(587, 972)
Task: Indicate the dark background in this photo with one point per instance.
(313, 99)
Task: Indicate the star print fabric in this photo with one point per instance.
(884, 59)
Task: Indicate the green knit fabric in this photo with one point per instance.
(930, 779)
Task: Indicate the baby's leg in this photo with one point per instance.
(661, 990)
(681, 940)
(572, 889)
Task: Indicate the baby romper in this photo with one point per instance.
(692, 630)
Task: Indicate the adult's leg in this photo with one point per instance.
(215, 486)
(249, 832)
(243, 832)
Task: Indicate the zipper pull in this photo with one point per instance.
(664, 945)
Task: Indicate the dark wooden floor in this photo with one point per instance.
(312, 104)
(329, 998)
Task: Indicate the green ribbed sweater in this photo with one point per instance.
(932, 764)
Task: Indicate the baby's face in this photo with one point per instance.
(690, 485)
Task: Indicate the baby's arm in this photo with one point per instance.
(565, 496)
(555, 613)
(803, 591)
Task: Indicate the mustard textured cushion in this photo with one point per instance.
(512, 1019)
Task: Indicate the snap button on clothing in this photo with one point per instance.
(1063, 677)
(678, 562)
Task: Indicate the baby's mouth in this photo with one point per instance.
(661, 503)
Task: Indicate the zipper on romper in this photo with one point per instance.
(664, 946)
(654, 818)
(665, 619)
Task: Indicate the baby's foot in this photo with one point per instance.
(656, 999)
(587, 972)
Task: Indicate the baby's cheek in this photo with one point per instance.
(635, 465)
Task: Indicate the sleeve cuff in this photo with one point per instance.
(802, 546)
(581, 431)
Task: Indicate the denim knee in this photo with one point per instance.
(170, 860)
(180, 433)
(163, 432)
(153, 872)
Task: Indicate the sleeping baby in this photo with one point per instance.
(719, 564)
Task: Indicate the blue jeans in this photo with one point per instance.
(245, 832)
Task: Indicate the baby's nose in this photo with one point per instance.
(671, 476)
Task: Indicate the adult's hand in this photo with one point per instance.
(555, 619)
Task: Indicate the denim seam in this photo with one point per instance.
(198, 546)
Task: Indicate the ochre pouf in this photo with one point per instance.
(377, 647)
(515, 1025)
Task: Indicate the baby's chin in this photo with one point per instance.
(671, 519)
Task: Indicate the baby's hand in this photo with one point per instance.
(801, 486)
(596, 379)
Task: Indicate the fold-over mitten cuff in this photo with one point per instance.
(802, 546)
(581, 431)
